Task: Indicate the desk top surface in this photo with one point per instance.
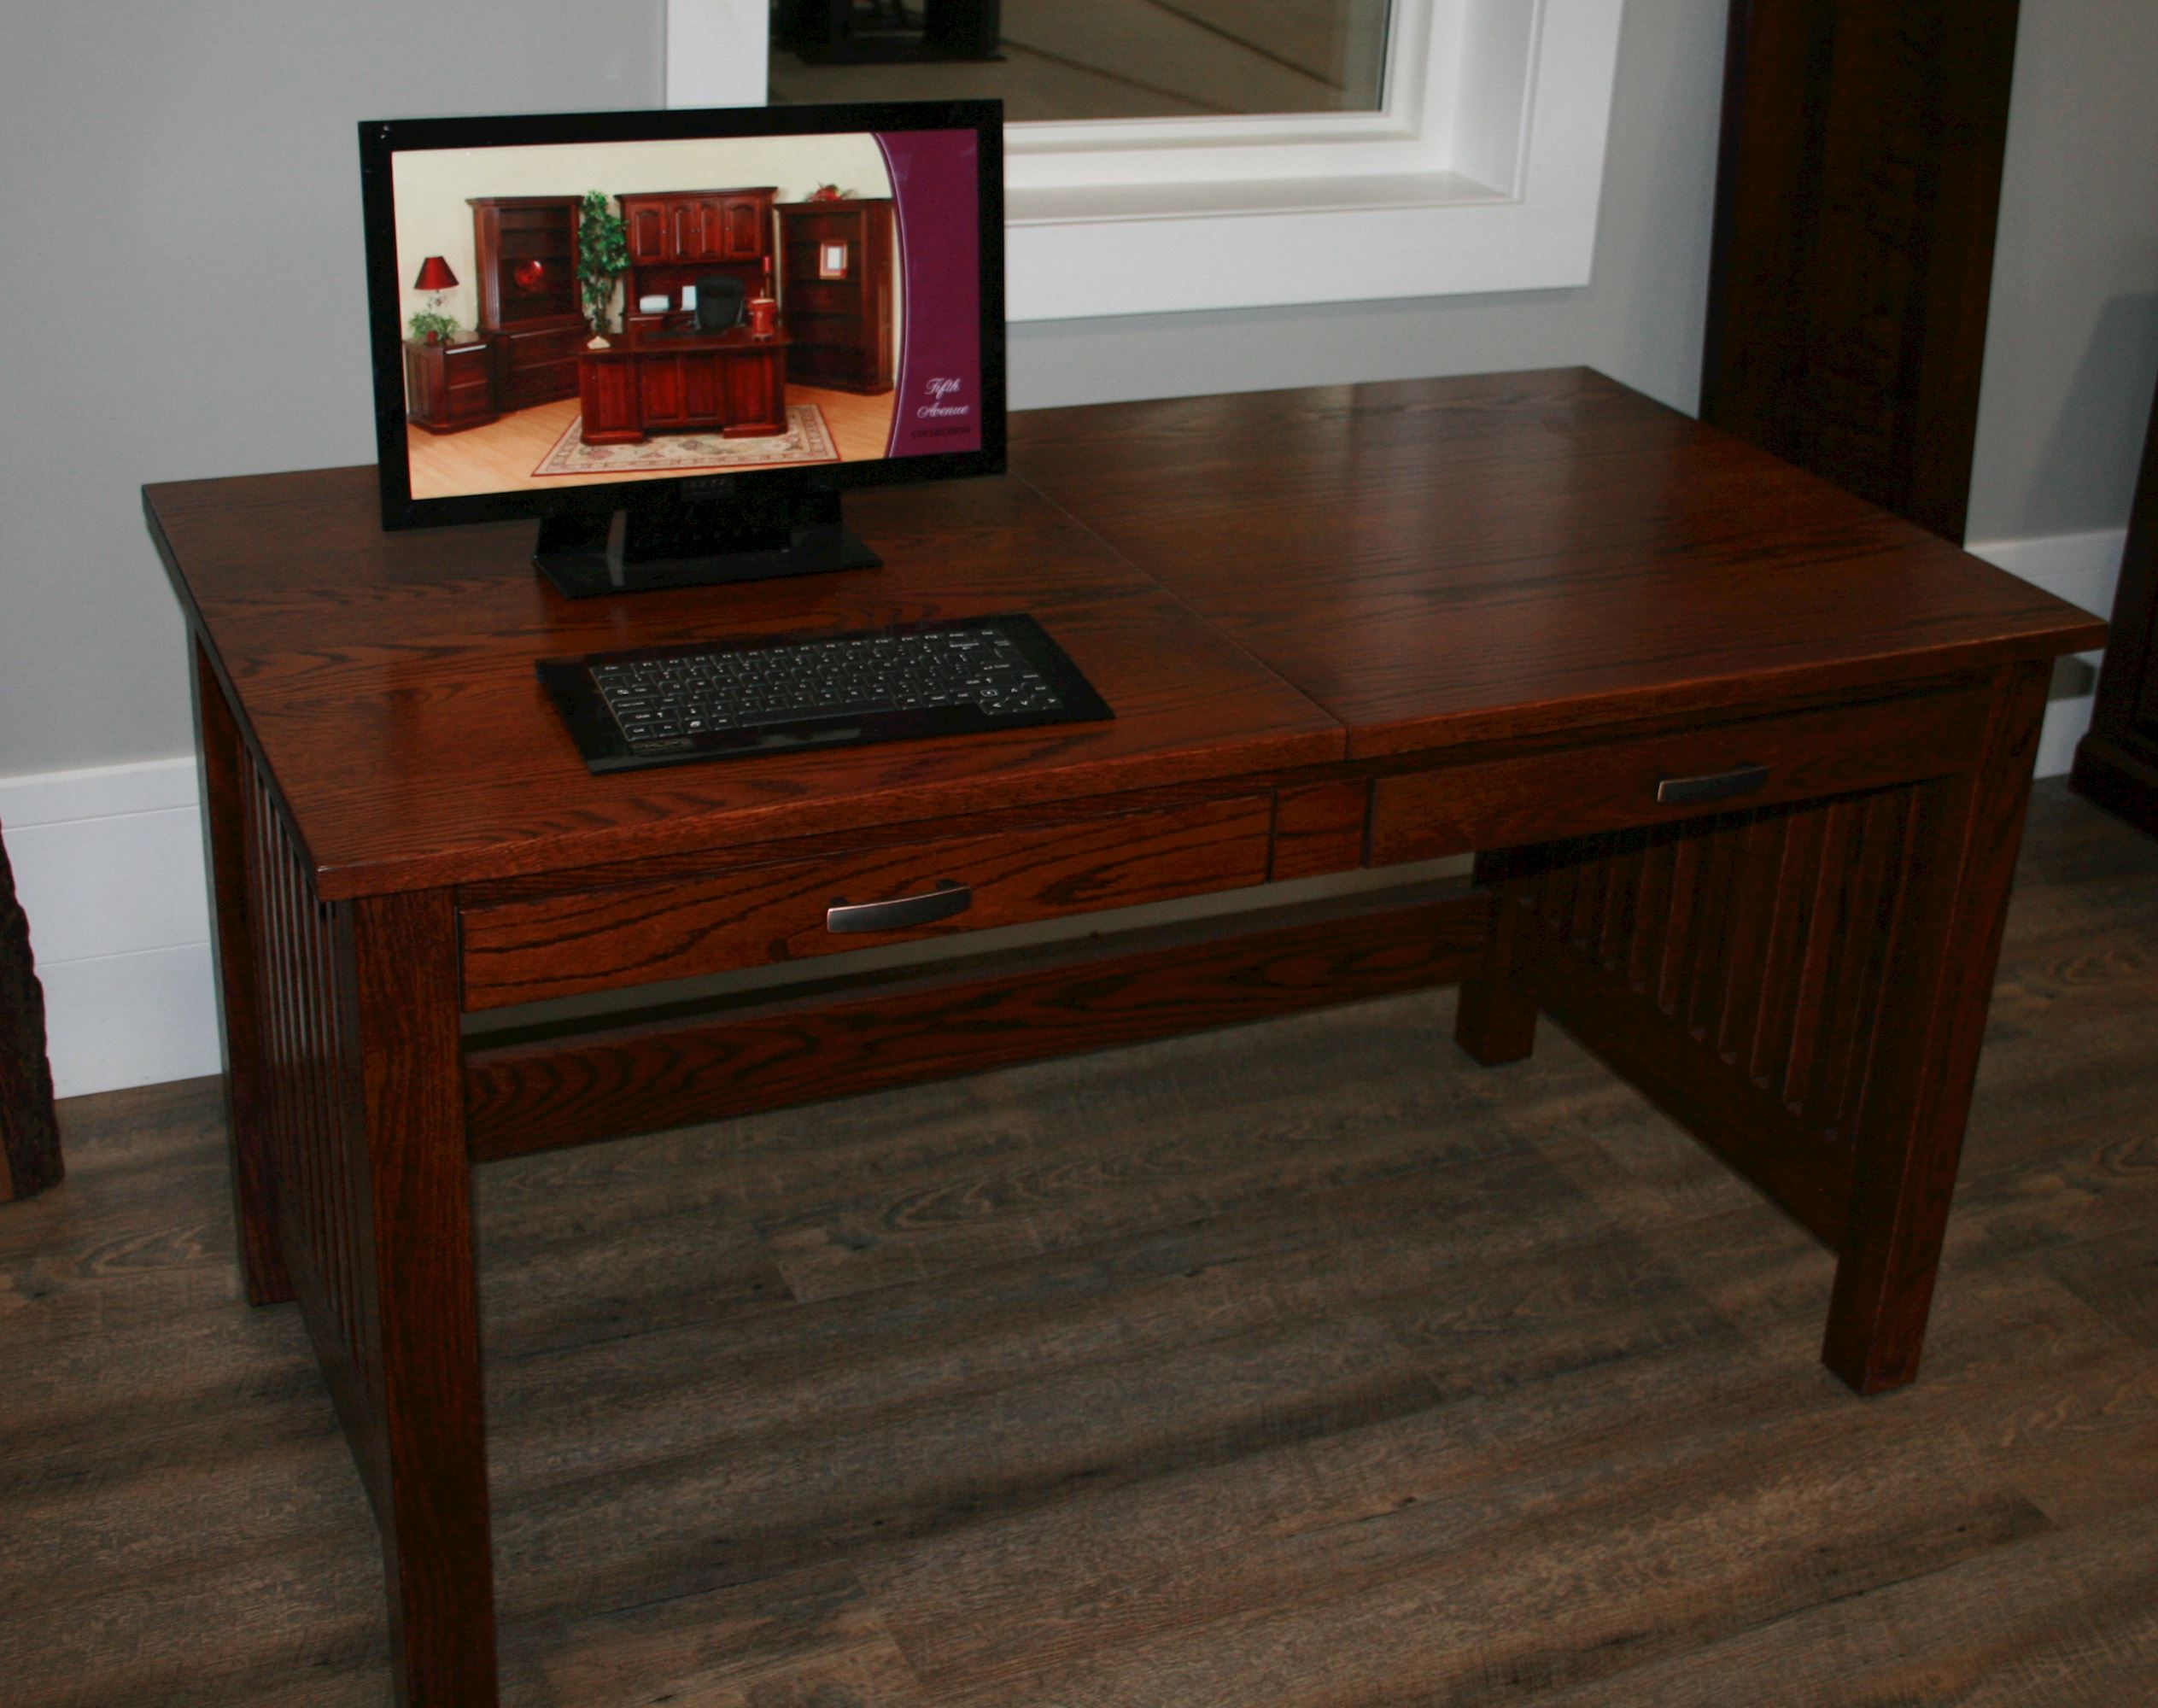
(1255, 583)
(685, 342)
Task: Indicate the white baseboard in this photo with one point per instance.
(2082, 569)
(109, 866)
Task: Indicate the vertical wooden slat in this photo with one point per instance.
(1701, 983)
(1651, 912)
(1822, 926)
(1868, 1018)
(1591, 891)
(297, 1223)
(1621, 909)
(228, 779)
(1745, 940)
(1559, 878)
(1797, 885)
(1863, 927)
(323, 1133)
(1679, 922)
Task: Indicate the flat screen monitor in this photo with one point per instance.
(676, 337)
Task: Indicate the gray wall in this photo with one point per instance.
(2071, 345)
(182, 203)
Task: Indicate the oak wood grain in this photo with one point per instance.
(227, 772)
(1452, 560)
(417, 1288)
(1910, 1130)
(529, 1095)
(417, 748)
(1320, 828)
(1608, 784)
(520, 951)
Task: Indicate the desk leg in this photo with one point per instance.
(1803, 987)
(351, 1090)
(227, 772)
(418, 1346)
(1930, 1022)
(1495, 1020)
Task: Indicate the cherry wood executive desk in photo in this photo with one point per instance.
(1744, 760)
(729, 383)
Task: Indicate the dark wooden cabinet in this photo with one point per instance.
(525, 248)
(1853, 255)
(450, 387)
(835, 270)
(676, 236)
(2117, 762)
(648, 226)
(537, 364)
(29, 1135)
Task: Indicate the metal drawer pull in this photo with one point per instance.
(902, 912)
(1740, 780)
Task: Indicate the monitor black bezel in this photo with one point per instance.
(380, 139)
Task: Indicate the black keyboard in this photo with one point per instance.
(741, 699)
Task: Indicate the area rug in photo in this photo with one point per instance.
(807, 440)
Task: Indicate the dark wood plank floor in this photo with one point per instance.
(1304, 1364)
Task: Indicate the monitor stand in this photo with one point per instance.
(697, 545)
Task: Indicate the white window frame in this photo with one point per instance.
(1483, 172)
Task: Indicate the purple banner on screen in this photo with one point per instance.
(934, 176)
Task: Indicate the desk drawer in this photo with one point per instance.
(682, 926)
(1600, 785)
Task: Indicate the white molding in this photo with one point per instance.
(1412, 131)
(716, 53)
(2084, 569)
(109, 870)
(109, 866)
(1490, 180)
(101, 792)
(1484, 174)
(140, 1018)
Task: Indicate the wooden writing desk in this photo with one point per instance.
(648, 382)
(1532, 615)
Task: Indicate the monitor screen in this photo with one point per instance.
(720, 318)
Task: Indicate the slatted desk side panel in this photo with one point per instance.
(307, 1074)
(1733, 967)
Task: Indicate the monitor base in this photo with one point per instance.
(590, 555)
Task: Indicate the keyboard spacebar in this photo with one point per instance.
(853, 708)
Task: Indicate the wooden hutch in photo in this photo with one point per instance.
(525, 248)
(835, 262)
(677, 236)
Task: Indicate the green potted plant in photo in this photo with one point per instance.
(430, 327)
(603, 256)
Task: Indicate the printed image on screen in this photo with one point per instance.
(645, 310)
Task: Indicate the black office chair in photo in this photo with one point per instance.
(720, 296)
